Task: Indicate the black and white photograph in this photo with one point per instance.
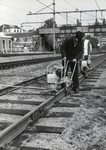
(52, 74)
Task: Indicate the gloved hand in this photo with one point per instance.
(64, 58)
(74, 60)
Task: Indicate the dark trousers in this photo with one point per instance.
(63, 64)
(75, 76)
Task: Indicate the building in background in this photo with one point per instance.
(7, 29)
(22, 40)
(6, 44)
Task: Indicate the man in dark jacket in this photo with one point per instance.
(72, 51)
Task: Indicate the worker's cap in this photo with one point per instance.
(79, 34)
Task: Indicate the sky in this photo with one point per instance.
(15, 12)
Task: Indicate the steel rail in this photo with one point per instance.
(94, 67)
(18, 127)
(19, 85)
(5, 65)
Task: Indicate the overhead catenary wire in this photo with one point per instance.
(84, 12)
(99, 7)
(44, 8)
(91, 15)
(17, 9)
(9, 21)
(70, 4)
(13, 7)
(97, 4)
(52, 10)
(41, 10)
(68, 19)
(76, 9)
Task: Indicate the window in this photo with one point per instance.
(4, 42)
(10, 44)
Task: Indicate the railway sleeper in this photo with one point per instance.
(45, 129)
(4, 125)
(14, 111)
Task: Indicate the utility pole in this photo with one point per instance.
(66, 18)
(54, 50)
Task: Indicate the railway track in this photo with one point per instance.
(25, 54)
(12, 77)
(54, 112)
(12, 64)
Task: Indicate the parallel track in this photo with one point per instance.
(8, 65)
(13, 64)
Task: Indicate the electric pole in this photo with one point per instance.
(54, 50)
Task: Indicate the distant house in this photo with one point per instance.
(20, 38)
(7, 29)
(6, 44)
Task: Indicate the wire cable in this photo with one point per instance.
(68, 19)
(70, 4)
(97, 4)
(85, 12)
(52, 10)
(43, 8)
(13, 7)
(17, 9)
(76, 9)
(10, 21)
(99, 8)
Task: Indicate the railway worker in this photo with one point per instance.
(72, 51)
(85, 63)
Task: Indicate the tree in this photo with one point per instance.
(49, 23)
(48, 39)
